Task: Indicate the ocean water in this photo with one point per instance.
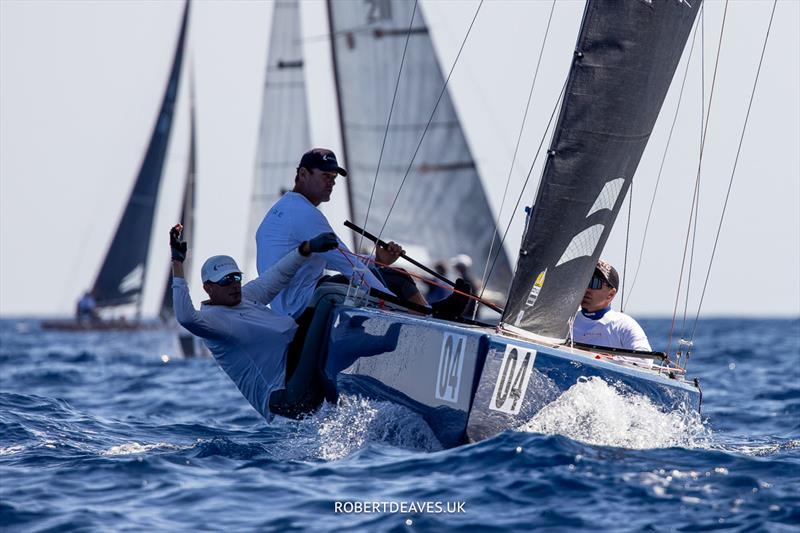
(111, 432)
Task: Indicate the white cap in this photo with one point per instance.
(217, 267)
(462, 259)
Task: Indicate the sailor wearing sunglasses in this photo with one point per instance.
(248, 339)
(596, 323)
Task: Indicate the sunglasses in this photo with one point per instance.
(597, 282)
(234, 277)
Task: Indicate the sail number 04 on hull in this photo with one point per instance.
(451, 361)
(512, 380)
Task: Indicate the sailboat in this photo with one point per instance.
(121, 280)
(471, 381)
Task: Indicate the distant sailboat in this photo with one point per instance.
(122, 276)
(284, 133)
(442, 207)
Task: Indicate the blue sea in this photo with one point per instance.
(114, 432)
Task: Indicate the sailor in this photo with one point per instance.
(597, 324)
(248, 339)
(462, 264)
(437, 291)
(296, 218)
(86, 308)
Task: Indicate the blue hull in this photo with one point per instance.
(468, 382)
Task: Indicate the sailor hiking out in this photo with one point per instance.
(249, 340)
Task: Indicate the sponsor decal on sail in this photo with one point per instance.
(133, 280)
(533, 295)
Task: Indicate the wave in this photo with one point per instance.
(595, 412)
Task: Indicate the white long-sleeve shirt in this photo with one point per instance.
(613, 330)
(292, 220)
(249, 340)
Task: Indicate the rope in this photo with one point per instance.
(484, 278)
(735, 163)
(697, 179)
(361, 259)
(435, 107)
(663, 160)
(697, 210)
(388, 121)
(625, 260)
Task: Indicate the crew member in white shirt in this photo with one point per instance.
(296, 218)
(248, 339)
(596, 323)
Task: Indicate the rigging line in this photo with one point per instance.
(527, 178)
(691, 259)
(484, 277)
(697, 210)
(663, 160)
(699, 167)
(433, 113)
(627, 240)
(388, 121)
(735, 163)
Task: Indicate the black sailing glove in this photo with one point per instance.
(176, 245)
(323, 242)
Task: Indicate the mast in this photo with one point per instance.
(342, 135)
(284, 131)
(187, 209)
(122, 276)
(431, 198)
(624, 61)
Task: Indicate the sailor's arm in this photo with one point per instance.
(273, 280)
(338, 260)
(185, 313)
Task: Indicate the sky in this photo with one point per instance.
(81, 82)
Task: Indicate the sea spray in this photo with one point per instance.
(357, 421)
(595, 412)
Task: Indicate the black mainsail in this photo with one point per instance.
(626, 55)
(187, 212)
(284, 134)
(122, 275)
(442, 207)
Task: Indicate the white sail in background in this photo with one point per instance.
(442, 206)
(284, 133)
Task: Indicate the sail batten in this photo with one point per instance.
(129, 248)
(625, 58)
(442, 207)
